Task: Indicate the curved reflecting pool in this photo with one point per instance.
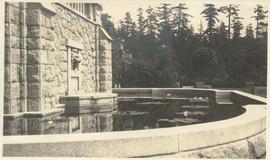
(132, 114)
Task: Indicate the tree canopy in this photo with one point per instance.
(166, 49)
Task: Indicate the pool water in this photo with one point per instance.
(132, 114)
(159, 113)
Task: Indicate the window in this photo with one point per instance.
(80, 7)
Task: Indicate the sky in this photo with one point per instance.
(118, 10)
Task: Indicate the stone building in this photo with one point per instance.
(52, 50)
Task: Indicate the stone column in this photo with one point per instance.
(15, 94)
(97, 57)
(14, 87)
(7, 61)
(23, 59)
(33, 58)
(48, 61)
(105, 62)
(40, 62)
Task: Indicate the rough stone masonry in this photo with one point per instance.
(38, 40)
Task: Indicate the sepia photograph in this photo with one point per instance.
(134, 79)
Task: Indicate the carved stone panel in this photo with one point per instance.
(74, 69)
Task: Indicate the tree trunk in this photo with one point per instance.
(229, 24)
(257, 27)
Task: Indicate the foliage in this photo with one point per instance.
(165, 48)
(237, 27)
(249, 31)
(210, 14)
(141, 21)
(181, 18)
(204, 62)
(165, 30)
(151, 21)
(260, 15)
(231, 12)
(108, 25)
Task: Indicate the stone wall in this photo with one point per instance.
(251, 148)
(36, 55)
(65, 25)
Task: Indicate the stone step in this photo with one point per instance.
(223, 98)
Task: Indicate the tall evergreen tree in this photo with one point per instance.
(181, 18)
(122, 31)
(237, 27)
(201, 30)
(259, 17)
(141, 21)
(151, 21)
(249, 31)
(165, 31)
(128, 23)
(164, 14)
(205, 64)
(108, 25)
(126, 27)
(190, 58)
(191, 29)
(222, 48)
(231, 11)
(210, 13)
(222, 32)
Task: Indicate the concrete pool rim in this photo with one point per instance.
(143, 143)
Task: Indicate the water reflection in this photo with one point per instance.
(132, 114)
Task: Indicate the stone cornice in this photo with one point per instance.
(48, 7)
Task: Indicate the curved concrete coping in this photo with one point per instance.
(140, 143)
(252, 96)
(186, 93)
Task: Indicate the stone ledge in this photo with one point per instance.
(74, 44)
(123, 90)
(124, 98)
(91, 96)
(32, 114)
(90, 103)
(13, 116)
